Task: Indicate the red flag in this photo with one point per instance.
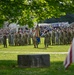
(70, 57)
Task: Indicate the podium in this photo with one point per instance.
(34, 60)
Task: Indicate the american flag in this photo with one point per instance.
(70, 56)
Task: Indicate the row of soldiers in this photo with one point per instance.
(19, 39)
(15, 38)
(58, 36)
(62, 36)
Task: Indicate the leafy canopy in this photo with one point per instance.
(31, 11)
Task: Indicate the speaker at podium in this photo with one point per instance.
(34, 60)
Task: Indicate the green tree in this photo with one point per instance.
(30, 11)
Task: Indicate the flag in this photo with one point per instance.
(70, 56)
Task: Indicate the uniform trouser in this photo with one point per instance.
(35, 42)
(5, 44)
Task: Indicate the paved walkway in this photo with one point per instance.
(33, 52)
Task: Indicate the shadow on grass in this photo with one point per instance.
(56, 65)
(8, 64)
(9, 67)
(44, 47)
(14, 63)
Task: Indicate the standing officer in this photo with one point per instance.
(5, 40)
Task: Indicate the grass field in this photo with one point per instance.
(9, 66)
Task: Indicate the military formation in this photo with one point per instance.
(19, 39)
(15, 39)
(57, 36)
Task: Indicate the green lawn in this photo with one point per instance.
(9, 66)
(41, 48)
